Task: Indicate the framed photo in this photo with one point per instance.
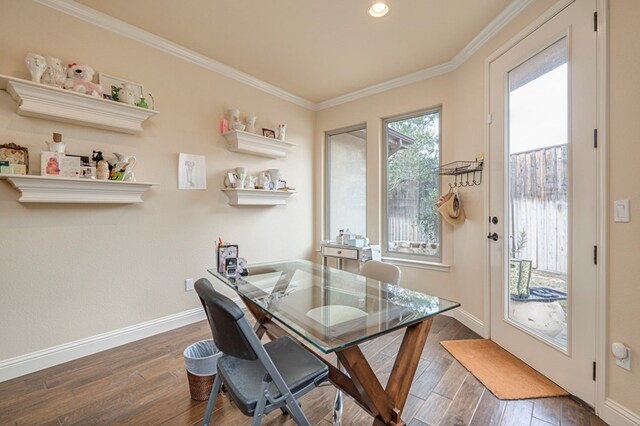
(107, 81)
(224, 253)
(268, 133)
(15, 154)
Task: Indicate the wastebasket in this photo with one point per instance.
(200, 359)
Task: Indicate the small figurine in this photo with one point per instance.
(102, 167)
(54, 75)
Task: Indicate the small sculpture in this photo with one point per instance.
(55, 74)
(36, 64)
(280, 133)
(79, 80)
(102, 167)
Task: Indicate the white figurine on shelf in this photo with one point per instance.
(55, 74)
(280, 133)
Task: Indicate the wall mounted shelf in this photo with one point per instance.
(250, 143)
(39, 189)
(51, 103)
(466, 173)
(257, 197)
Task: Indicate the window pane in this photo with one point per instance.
(413, 186)
(346, 182)
(539, 193)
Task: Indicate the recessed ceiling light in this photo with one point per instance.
(378, 9)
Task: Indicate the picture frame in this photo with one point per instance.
(15, 154)
(106, 81)
(268, 133)
(226, 252)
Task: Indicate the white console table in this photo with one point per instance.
(341, 252)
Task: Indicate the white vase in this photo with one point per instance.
(251, 124)
(36, 64)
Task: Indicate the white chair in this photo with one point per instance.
(381, 271)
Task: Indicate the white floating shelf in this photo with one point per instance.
(250, 143)
(257, 197)
(40, 189)
(51, 103)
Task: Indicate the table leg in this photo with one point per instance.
(337, 404)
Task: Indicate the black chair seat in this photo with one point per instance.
(298, 367)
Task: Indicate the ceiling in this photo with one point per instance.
(316, 50)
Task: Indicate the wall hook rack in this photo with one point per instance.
(465, 173)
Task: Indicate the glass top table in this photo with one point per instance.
(330, 308)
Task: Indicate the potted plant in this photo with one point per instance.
(519, 269)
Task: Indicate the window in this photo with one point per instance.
(411, 186)
(346, 186)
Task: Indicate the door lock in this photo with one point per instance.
(494, 220)
(493, 236)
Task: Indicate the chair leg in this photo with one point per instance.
(296, 412)
(212, 400)
(257, 414)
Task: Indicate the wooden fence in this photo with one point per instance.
(539, 207)
(402, 211)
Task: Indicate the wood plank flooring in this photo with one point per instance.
(145, 383)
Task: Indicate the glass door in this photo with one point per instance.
(542, 174)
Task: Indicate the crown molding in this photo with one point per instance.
(387, 85)
(499, 22)
(124, 29)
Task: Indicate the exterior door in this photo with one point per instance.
(542, 102)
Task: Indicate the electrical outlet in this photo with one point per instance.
(626, 362)
(188, 284)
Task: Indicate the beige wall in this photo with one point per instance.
(69, 272)
(462, 95)
(72, 271)
(624, 158)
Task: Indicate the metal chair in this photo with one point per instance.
(258, 378)
(385, 272)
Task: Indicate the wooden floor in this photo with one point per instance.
(145, 383)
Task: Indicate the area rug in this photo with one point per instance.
(502, 373)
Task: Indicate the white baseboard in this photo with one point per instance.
(45, 358)
(468, 320)
(617, 415)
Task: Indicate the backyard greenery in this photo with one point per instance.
(412, 172)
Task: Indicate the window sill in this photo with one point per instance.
(420, 264)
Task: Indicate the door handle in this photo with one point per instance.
(493, 236)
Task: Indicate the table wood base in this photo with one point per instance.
(385, 405)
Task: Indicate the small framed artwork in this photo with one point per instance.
(268, 133)
(15, 154)
(107, 81)
(226, 252)
(192, 172)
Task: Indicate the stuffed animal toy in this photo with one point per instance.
(79, 80)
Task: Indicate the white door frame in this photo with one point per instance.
(602, 105)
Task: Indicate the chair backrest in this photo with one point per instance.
(224, 318)
(381, 271)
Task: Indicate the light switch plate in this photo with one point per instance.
(621, 210)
